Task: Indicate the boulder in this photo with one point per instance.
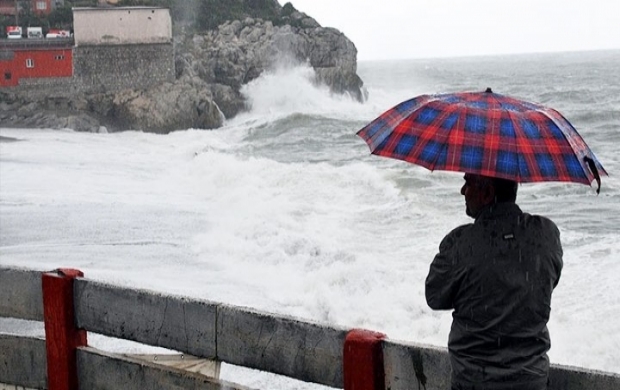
(167, 107)
(46, 112)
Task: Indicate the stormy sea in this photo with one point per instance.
(284, 209)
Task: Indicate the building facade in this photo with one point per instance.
(39, 7)
(42, 7)
(8, 7)
(32, 62)
(122, 26)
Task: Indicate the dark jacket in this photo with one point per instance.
(498, 274)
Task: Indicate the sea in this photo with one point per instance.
(285, 210)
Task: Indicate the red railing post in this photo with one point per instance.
(61, 335)
(363, 360)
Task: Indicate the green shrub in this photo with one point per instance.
(199, 14)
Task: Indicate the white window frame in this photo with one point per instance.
(29, 63)
(41, 5)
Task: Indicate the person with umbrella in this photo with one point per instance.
(498, 273)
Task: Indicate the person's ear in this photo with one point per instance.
(489, 195)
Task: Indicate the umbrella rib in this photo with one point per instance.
(583, 149)
(517, 129)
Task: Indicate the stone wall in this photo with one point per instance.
(111, 68)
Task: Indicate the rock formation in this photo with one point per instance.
(211, 68)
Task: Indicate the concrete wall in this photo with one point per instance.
(121, 25)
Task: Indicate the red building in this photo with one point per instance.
(35, 62)
(42, 7)
(39, 7)
(7, 7)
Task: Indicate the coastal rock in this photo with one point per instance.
(46, 112)
(240, 51)
(167, 107)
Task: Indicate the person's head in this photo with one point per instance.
(482, 191)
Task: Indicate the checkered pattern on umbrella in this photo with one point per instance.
(483, 133)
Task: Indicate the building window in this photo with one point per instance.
(59, 57)
(7, 76)
(41, 5)
(29, 63)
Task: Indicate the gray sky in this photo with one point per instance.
(399, 29)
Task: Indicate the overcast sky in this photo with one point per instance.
(400, 29)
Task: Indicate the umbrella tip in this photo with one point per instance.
(488, 90)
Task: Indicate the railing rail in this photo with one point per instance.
(21, 294)
(23, 361)
(312, 352)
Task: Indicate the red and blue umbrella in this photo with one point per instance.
(484, 133)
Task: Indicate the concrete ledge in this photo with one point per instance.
(210, 368)
(21, 294)
(22, 362)
(576, 378)
(414, 366)
(99, 370)
(147, 317)
(282, 345)
(428, 367)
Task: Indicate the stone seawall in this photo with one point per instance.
(111, 68)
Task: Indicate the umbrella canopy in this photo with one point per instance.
(484, 133)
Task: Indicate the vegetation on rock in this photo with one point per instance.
(199, 15)
(204, 15)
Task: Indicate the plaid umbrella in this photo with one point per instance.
(484, 133)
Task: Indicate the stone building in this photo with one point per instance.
(122, 47)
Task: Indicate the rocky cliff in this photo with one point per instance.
(211, 67)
